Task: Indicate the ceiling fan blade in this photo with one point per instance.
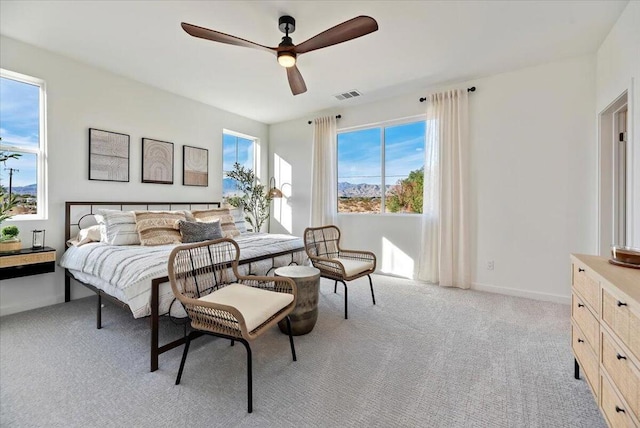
(348, 30)
(216, 36)
(296, 82)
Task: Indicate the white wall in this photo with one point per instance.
(533, 183)
(80, 97)
(618, 70)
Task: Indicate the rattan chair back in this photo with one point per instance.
(198, 269)
(322, 241)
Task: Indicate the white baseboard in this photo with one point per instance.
(547, 297)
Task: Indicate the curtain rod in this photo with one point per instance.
(471, 89)
(337, 117)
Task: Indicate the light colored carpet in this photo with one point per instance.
(424, 356)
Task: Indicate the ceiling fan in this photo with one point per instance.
(286, 51)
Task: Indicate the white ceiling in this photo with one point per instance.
(419, 44)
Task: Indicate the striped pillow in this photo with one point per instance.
(159, 227)
(227, 223)
(117, 227)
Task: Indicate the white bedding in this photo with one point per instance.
(126, 271)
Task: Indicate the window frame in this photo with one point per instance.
(381, 125)
(40, 152)
(256, 144)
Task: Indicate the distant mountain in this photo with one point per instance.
(349, 190)
(31, 189)
(345, 190)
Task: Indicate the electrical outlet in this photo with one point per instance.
(490, 265)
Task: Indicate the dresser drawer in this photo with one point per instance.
(586, 286)
(584, 319)
(27, 259)
(623, 373)
(614, 410)
(617, 314)
(586, 358)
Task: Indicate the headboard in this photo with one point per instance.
(76, 212)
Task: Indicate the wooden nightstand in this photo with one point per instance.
(27, 262)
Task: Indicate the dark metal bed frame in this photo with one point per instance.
(92, 207)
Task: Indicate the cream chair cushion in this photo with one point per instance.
(255, 304)
(354, 267)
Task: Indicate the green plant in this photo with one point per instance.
(254, 199)
(7, 201)
(9, 233)
(407, 194)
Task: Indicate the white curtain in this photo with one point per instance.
(324, 192)
(444, 256)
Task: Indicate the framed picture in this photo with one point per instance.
(108, 155)
(157, 161)
(195, 166)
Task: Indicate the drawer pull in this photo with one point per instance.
(580, 341)
(621, 303)
(580, 305)
(580, 270)
(619, 410)
(621, 357)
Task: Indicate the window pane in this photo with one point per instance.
(404, 164)
(19, 177)
(19, 113)
(245, 152)
(229, 187)
(359, 171)
(228, 151)
(235, 149)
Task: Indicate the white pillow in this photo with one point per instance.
(90, 234)
(118, 227)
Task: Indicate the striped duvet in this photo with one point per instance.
(126, 271)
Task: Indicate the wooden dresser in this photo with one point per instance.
(605, 335)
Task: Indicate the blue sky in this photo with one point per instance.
(19, 124)
(244, 155)
(359, 153)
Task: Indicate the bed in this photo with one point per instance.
(135, 276)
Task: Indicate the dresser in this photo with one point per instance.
(605, 335)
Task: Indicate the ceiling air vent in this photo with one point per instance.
(349, 94)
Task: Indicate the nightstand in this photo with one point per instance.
(27, 262)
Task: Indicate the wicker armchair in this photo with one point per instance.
(322, 245)
(221, 302)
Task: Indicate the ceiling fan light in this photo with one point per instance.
(287, 59)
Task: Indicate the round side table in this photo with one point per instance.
(305, 314)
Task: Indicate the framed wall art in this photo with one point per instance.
(195, 166)
(108, 155)
(157, 161)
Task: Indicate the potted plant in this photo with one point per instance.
(254, 198)
(9, 239)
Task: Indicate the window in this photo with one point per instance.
(392, 154)
(236, 148)
(22, 133)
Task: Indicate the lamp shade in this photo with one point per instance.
(287, 59)
(274, 192)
